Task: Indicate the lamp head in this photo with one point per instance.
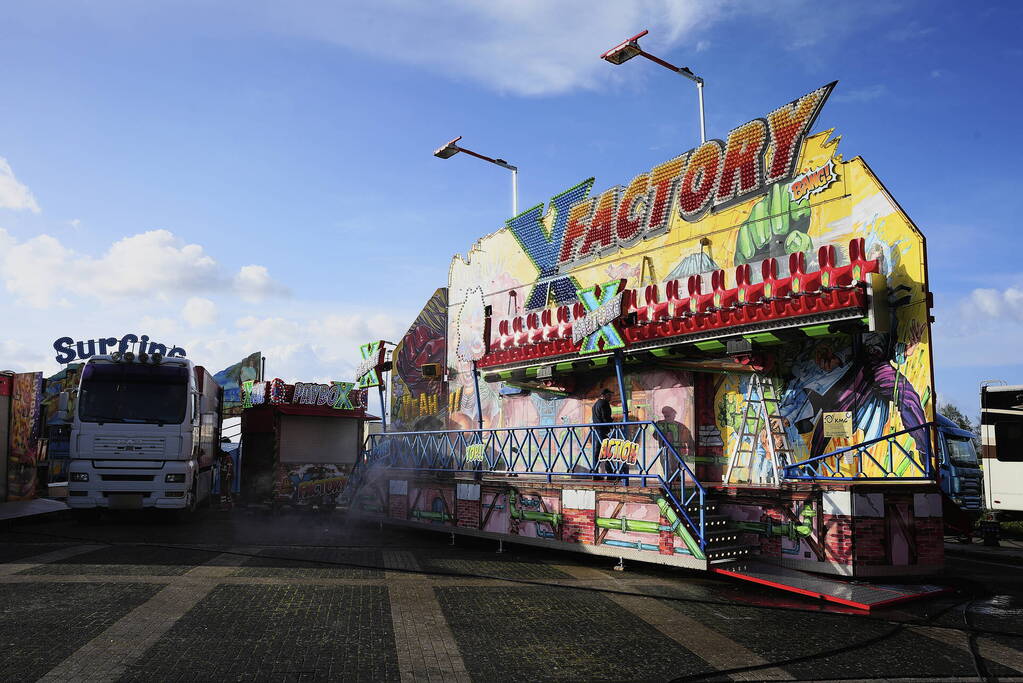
(625, 51)
(449, 150)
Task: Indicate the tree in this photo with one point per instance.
(952, 412)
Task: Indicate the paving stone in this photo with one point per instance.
(798, 633)
(43, 623)
(12, 552)
(277, 633)
(489, 564)
(537, 634)
(313, 563)
(130, 560)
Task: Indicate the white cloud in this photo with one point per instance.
(995, 304)
(199, 312)
(523, 47)
(41, 272)
(254, 284)
(14, 194)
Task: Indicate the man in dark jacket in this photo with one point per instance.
(601, 413)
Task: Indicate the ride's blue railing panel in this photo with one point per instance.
(904, 455)
(635, 451)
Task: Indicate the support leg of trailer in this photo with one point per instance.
(500, 545)
(621, 385)
(620, 567)
(479, 401)
(452, 538)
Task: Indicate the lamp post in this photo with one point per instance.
(625, 51)
(452, 148)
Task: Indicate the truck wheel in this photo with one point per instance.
(193, 503)
(187, 513)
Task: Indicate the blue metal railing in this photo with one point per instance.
(553, 451)
(895, 462)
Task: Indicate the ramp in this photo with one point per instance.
(865, 596)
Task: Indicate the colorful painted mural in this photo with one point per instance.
(769, 192)
(24, 436)
(419, 399)
(310, 484)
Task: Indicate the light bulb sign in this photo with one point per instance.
(596, 330)
(336, 395)
(579, 227)
(68, 350)
(366, 373)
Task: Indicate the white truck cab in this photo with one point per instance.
(145, 434)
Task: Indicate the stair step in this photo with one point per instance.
(714, 521)
(727, 553)
(720, 537)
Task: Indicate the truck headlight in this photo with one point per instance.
(79, 476)
(175, 478)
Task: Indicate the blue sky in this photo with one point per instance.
(241, 175)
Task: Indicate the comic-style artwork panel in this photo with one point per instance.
(24, 436)
(496, 511)
(311, 484)
(432, 504)
(536, 514)
(628, 525)
(419, 398)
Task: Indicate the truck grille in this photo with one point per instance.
(126, 477)
(138, 446)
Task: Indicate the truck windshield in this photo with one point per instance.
(131, 392)
(961, 451)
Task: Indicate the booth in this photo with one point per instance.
(300, 441)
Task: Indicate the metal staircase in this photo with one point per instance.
(723, 541)
(762, 449)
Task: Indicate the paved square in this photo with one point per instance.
(134, 560)
(462, 561)
(321, 563)
(277, 633)
(537, 634)
(43, 623)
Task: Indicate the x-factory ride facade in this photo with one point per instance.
(759, 308)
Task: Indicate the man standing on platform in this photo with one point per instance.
(601, 415)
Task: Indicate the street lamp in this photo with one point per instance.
(630, 48)
(451, 149)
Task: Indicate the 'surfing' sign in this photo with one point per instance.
(68, 350)
(713, 176)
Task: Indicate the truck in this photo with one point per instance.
(145, 434)
(1001, 431)
(960, 475)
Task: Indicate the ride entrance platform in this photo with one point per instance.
(849, 593)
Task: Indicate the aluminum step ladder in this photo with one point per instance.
(761, 437)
